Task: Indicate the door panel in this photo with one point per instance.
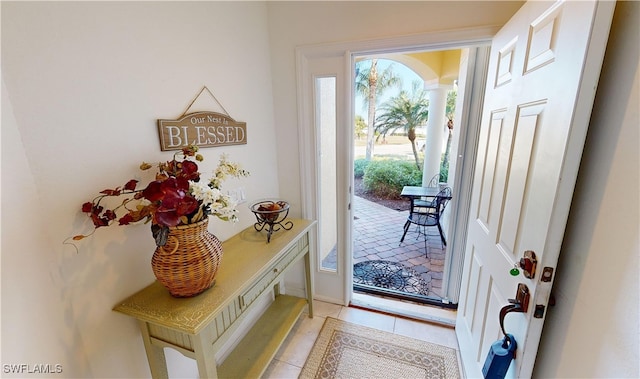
(525, 132)
(490, 160)
(543, 68)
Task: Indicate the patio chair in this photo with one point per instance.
(424, 217)
(420, 205)
(433, 183)
(426, 202)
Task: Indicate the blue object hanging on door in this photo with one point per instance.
(500, 355)
(503, 351)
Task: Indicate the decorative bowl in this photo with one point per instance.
(271, 215)
(270, 210)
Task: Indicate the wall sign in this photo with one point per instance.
(203, 129)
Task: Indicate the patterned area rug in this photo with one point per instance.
(345, 350)
(390, 275)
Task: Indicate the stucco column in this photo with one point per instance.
(435, 132)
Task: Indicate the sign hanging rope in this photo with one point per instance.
(196, 98)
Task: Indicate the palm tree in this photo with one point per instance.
(360, 126)
(450, 110)
(405, 112)
(370, 83)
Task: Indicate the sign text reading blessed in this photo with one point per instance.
(203, 129)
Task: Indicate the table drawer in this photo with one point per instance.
(254, 291)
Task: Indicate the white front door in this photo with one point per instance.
(543, 72)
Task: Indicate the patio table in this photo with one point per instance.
(428, 217)
(416, 192)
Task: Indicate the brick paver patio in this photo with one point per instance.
(377, 232)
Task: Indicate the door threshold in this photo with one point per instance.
(401, 295)
(421, 312)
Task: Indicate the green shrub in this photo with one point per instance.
(359, 165)
(386, 178)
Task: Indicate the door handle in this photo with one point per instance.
(520, 304)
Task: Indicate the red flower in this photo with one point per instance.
(110, 215)
(126, 219)
(153, 192)
(174, 199)
(99, 221)
(131, 185)
(87, 207)
(189, 171)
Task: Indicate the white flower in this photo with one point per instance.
(202, 192)
(224, 170)
(217, 204)
(212, 200)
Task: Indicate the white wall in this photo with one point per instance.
(31, 305)
(83, 84)
(593, 331)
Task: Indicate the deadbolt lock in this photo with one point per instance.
(528, 264)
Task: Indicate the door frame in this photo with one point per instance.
(471, 116)
(308, 145)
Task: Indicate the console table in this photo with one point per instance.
(198, 326)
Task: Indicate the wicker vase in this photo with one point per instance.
(187, 265)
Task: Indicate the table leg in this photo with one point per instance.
(205, 356)
(406, 229)
(155, 354)
(444, 241)
(309, 282)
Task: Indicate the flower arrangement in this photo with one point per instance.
(177, 196)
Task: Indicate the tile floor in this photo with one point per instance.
(291, 357)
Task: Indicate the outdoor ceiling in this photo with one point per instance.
(442, 66)
(434, 67)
